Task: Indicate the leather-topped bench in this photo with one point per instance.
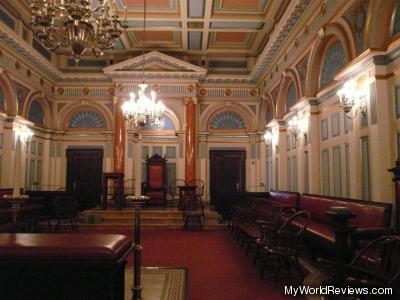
(371, 220)
(63, 266)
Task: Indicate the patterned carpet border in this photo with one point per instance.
(164, 283)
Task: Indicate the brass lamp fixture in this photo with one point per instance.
(349, 97)
(78, 24)
(297, 126)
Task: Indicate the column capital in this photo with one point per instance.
(190, 99)
(116, 99)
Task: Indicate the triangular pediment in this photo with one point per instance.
(155, 63)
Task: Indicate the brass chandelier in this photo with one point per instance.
(78, 24)
(143, 108)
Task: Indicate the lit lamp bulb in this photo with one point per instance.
(347, 96)
(268, 137)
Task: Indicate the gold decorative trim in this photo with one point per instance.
(85, 91)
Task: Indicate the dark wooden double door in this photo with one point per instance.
(84, 175)
(227, 177)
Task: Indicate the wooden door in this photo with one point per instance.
(84, 171)
(228, 175)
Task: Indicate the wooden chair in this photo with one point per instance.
(375, 265)
(268, 229)
(65, 210)
(173, 192)
(199, 193)
(155, 185)
(283, 245)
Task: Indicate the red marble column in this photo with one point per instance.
(190, 139)
(119, 137)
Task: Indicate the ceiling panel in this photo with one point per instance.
(155, 38)
(231, 39)
(195, 38)
(151, 5)
(240, 6)
(195, 8)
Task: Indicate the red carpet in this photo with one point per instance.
(218, 268)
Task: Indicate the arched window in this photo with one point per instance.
(2, 101)
(268, 115)
(165, 124)
(334, 60)
(291, 97)
(86, 119)
(395, 28)
(227, 120)
(35, 113)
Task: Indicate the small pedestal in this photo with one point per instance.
(118, 193)
(396, 180)
(340, 217)
(137, 203)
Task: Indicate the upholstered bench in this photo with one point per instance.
(63, 266)
(371, 220)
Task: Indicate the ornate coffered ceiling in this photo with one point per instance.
(233, 39)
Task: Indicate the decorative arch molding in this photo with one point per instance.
(267, 104)
(69, 110)
(10, 98)
(333, 32)
(239, 109)
(291, 77)
(378, 25)
(395, 22)
(38, 98)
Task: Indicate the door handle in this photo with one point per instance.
(74, 186)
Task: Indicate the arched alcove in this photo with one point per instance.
(8, 98)
(86, 119)
(291, 97)
(36, 113)
(227, 120)
(334, 59)
(318, 57)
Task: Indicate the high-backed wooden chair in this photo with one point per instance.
(155, 186)
(173, 192)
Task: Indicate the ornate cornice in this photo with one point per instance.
(46, 67)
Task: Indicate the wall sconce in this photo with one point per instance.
(297, 126)
(23, 133)
(271, 137)
(349, 97)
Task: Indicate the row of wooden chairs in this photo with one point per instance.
(278, 238)
(273, 233)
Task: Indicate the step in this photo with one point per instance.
(168, 218)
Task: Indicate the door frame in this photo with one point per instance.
(100, 153)
(230, 150)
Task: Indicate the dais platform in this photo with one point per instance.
(151, 217)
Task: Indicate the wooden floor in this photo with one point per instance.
(151, 217)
